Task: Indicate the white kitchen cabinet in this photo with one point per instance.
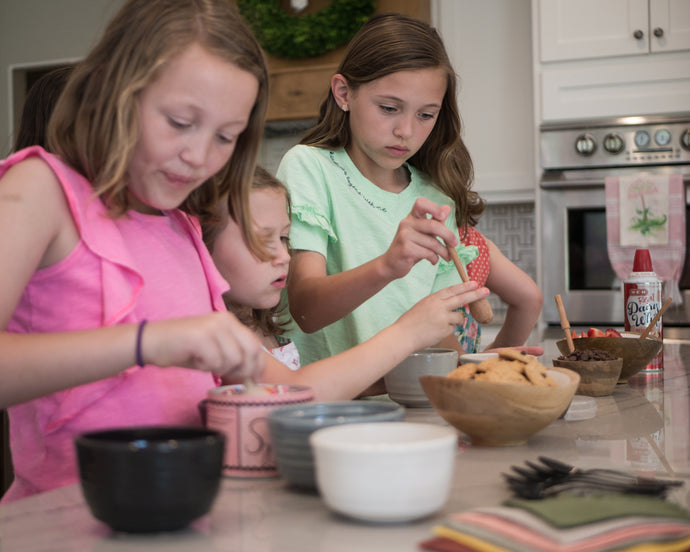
(580, 29)
(589, 65)
(490, 46)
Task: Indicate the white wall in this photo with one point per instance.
(41, 33)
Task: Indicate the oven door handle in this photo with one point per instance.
(557, 181)
(578, 183)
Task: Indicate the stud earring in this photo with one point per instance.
(344, 107)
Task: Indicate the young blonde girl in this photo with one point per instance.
(161, 119)
(256, 285)
(378, 186)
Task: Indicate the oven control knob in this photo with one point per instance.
(613, 143)
(662, 137)
(642, 138)
(585, 145)
(685, 139)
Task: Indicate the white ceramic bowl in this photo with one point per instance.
(385, 472)
(476, 358)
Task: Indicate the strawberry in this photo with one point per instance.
(610, 332)
(594, 332)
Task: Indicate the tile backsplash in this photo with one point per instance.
(511, 226)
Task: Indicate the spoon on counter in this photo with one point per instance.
(564, 323)
(651, 325)
(480, 309)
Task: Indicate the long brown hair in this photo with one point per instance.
(95, 124)
(38, 107)
(389, 43)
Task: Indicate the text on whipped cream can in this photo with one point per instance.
(642, 300)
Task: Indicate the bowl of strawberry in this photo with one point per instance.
(635, 352)
(596, 332)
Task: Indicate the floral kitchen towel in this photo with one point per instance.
(647, 211)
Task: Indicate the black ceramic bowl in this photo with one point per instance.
(149, 479)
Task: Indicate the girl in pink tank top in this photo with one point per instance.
(110, 306)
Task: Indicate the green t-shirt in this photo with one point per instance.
(340, 214)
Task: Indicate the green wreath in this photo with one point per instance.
(287, 36)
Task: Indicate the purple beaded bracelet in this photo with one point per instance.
(140, 330)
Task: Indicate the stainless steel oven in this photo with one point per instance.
(576, 159)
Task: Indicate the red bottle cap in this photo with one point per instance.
(643, 261)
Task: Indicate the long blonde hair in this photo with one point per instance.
(273, 321)
(95, 124)
(389, 43)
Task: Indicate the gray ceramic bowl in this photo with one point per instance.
(402, 382)
(291, 426)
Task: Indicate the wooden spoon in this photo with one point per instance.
(480, 309)
(565, 324)
(651, 325)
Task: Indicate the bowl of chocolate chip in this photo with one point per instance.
(636, 352)
(503, 400)
(599, 370)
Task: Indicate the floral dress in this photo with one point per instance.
(287, 353)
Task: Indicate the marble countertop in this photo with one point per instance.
(643, 428)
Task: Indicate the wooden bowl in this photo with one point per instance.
(635, 352)
(499, 414)
(598, 378)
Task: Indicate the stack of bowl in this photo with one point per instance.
(291, 427)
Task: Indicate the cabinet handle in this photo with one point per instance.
(658, 32)
(638, 34)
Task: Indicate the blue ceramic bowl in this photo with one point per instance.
(150, 479)
(291, 426)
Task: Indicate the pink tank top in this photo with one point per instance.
(124, 270)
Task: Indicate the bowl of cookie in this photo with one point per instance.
(503, 400)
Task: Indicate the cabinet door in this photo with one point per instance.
(578, 29)
(490, 46)
(669, 25)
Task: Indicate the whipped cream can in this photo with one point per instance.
(642, 301)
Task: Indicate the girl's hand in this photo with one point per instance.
(216, 342)
(435, 316)
(416, 239)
